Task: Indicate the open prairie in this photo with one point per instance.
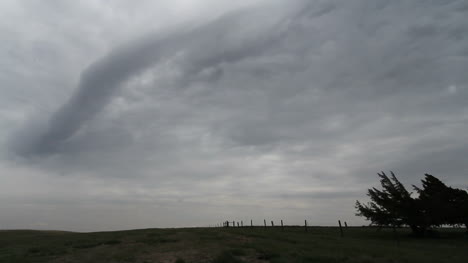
(293, 244)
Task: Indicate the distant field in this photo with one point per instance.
(319, 244)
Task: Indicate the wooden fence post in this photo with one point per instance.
(237, 224)
(305, 225)
(264, 222)
(282, 227)
(272, 224)
(242, 223)
(251, 223)
(345, 224)
(341, 229)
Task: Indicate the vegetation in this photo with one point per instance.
(436, 205)
(319, 244)
(442, 205)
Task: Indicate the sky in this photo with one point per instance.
(180, 113)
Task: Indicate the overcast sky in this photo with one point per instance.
(123, 114)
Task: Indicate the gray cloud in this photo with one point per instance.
(100, 81)
(268, 109)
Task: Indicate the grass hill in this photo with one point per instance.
(235, 245)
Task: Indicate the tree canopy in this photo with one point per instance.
(436, 205)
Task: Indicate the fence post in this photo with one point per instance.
(233, 224)
(242, 223)
(272, 224)
(264, 223)
(341, 229)
(251, 223)
(305, 225)
(282, 227)
(345, 224)
(237, 224)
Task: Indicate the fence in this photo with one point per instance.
(240, 224)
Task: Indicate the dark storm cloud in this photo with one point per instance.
(302, 101)
(308, 71)
(208, 46)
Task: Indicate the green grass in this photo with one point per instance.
(236, 245)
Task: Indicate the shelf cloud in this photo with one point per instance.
(181, 112)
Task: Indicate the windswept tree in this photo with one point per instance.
(441, 204)
(434, 200)
(460, 209)
(392, 206)
(436, 205)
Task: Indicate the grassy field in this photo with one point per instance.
(319, 244)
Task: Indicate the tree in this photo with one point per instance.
(436, 205)
(434, 196)
(460, 207)
(393, 206)
(441, 204)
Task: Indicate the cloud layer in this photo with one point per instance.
(265, 110)
(219, 41)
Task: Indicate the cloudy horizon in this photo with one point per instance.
(191, 112)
